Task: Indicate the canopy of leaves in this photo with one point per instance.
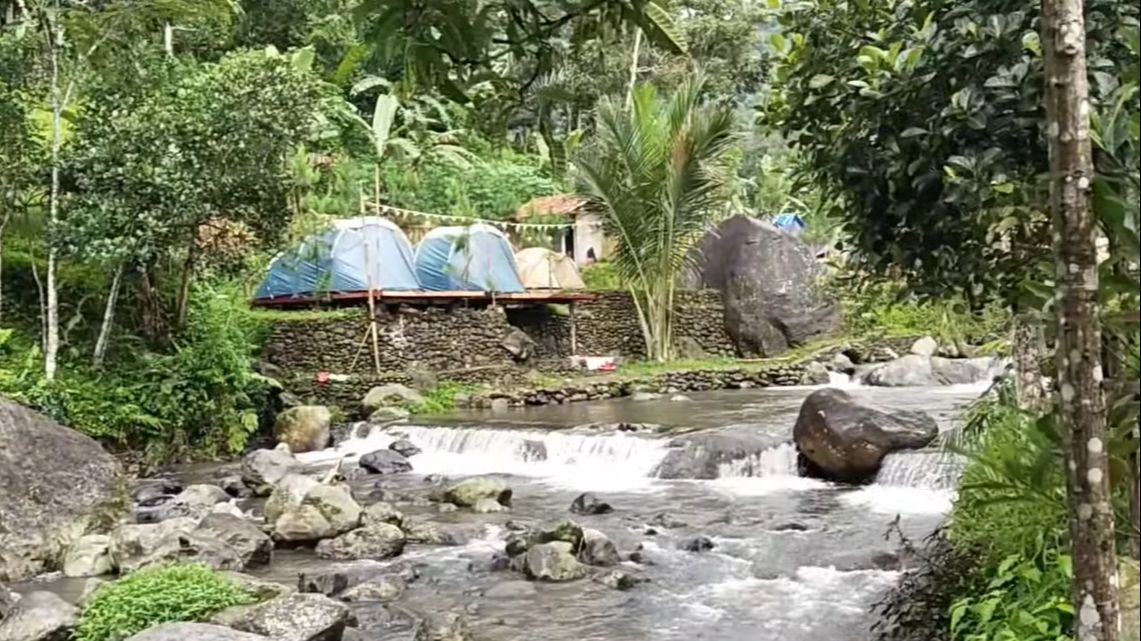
(923, 119)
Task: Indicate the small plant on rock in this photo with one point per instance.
(154, 596)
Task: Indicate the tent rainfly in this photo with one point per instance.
(541, 268)
(473, 258)
(355, 255)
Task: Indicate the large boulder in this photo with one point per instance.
(295, 617)
(261, 469)
(135, 546)
(915, 370)
(392, 394)
(304, 428)
(53, 483)
(552, 562)
(302, 509)
(701, 455)
(194, 632)
(469, 491)
(385, 462)
(89, 556)
(332, 579)
(598, 549)
(39, 616)
(195, 501)
(769, 282)
(518, 344)
(845, 441)
(227, 542)
(378, 541)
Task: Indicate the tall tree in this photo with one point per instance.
(1080, 398)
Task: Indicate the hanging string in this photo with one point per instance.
(408, 213)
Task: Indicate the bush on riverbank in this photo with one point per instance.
(171, 594)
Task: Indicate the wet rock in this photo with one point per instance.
(532, 451)
(842, 364)
(230, 507)
(229, 542)
(701, 455)
(925, 346)
(156, 490)
(488, 506)
(262, 469)
(404, 447)
(552, 562)
(385, 415)
(667, 521)
(379, 541)
(89, 556)
(54, 482)
(195, 501)
(845, 441)
(814, 374)
(381, 513)
(7, 601)
(383, 588)
(645, 396)
(469, 491)
(298, 497)
(234, 486)
(697, 544)
(39, 616)
(304, 428)
(511, 590)
(303, 524)
(448, 626)
(194, 632)
(261, 589)
(597, 549)
(90, 587)
(336, 504)
(390, 395)
(590, 504)
(135, 546)
(332, 579)
(932, 371)
(385, 462)
(620, 580)
(428, 533)
(296, 617)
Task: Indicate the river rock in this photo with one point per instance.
(385, 462)
(234, 486)
(338, 510)
(55, 482)
(700, 455)
(845, 441)
(447, 626)
(552, 562)
(7, 601)
(39, 616)
(227, 542)
(488, 506)
(914, 370)
(304, 428)
(89, 556)
(697, 544)
(195, 501)
(428, 533)
(925, 346)
(261, 589)
(384, 415)
(392, 394)
(194, 632)
(597, 549)
(332, 579)
(384, 588)
(304, 524)
(815, 373)
(296, 617)
(379, 541)
(468, 492)
(134, 546)
(153, 491)
(645, 396)
(404, 447)
(769, 282)
(589, 504)
(261, 469)
(381, 513)
(620, 580)
(842, 364)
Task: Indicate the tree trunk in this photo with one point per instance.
(108, 320)
(184, 287)
(1081, 403)
(634, 66)
(51, 339)
(1027, 347)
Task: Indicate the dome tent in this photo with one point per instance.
(541, 268)
(473, 258)
(354, 255)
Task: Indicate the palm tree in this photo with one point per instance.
(657, 171)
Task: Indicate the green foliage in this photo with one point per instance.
(602, 277)
(888, 309)
(154, 596)
(657, 172)
(441, 398)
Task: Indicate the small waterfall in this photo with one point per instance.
(928, 470)
(773, 462)
(449, 450)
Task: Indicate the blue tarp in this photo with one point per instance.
(474, 258)
(791, 223)
(355, 255)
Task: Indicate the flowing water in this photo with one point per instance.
(796, 559)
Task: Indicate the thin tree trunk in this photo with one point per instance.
(184, 286)
(634, 66)
(1027, 347)
(1082, 414)
(51, 340)
(108, 320)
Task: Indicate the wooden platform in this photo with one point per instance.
(535, 297)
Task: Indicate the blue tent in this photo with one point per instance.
(473, 258)
(355, 255)
(790, 223)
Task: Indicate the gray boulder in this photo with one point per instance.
(261, 469)
(769, 281)
(89, 556)
(385, 462)
(39, 616)
(518, 344)
(295, 617)
(55, 482)
(380, 541)
(469, 491)
(7, 601)
(381, 513)
(261, 589)
(303, 524)
(384, 588)
(815, 374)
(392, 394)
(447, 626)
(598, 549)
(135, 546)
(404, 447)
(227, 542)
(914, 370)
(700, 455)
(304, 428)
(383, 415)
(194, 632)
(552, 562)
(590, 504)
(926, 346)
(332, 579)
(842, 364)
(428, 533)
(195, 501)
(845, 441)
(304, 509)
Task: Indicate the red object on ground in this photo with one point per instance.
(323, 378)
(608, 367)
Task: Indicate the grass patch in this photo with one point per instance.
(442, 398)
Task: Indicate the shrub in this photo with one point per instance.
(154, 596)
(602, 277)
(440, 399)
